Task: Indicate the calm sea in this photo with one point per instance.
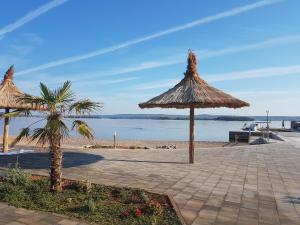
(139, 129)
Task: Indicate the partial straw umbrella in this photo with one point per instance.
(10, 100)
(193, 92)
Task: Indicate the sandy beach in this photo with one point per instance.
(76, 143)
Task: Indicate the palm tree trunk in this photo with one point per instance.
(56, 165)
(5, 132)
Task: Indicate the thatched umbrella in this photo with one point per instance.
(193, 92)
(9, 99)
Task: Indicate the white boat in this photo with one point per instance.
(252, 127)
(257, 125)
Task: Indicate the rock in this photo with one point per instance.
(166, 147)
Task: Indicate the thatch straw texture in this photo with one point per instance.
(10, 94)
(192, 91)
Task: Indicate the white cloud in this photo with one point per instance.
(208, 19)
(15, 52)
(236, 75)
(251, 94)
(78, 85)
(202, 54)
(143, 66)
(32, 38)
(6, 60)
(24, 43)
(21, 49)
(111, 81)
(31, 16)
(255, 73)
(160, 84)
(288, 39)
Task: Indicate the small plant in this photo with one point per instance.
(125, 195)
(132, 212)
(16, 182)
(91, 205)
(156, 207)
(17, 176)
(15, 195)
(145, 196)
(153, 220)
(125, 213)
(88, 186)
(138, 212)
(85, 186)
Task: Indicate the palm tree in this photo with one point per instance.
(57, 105)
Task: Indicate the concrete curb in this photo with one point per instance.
(176, 208)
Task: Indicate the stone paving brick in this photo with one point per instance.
(15, 223)
(194, 204)
(67, 222)
(244, 185)
(202, 221)
(33, 218)
(189, 215)
(23, 212)
(17, 216)
(53, 219)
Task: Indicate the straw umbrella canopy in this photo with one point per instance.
(193, 92)
(10, 99)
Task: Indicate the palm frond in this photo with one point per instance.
(64, 130)
(10, 114)
(45, 135)
(85, 106)
(64, 94)
(42, 135)
(25, 132)
(16, 113)
(83, 129)
(33, 100)
(55, 126)
(46, 93)
(57, 102)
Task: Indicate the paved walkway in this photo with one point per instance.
(12, 216)
(246, 185)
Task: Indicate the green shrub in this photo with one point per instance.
(14, 185)
(17, 176)
(125, 195)
(15, 196)
(90, 204)
(84, 186)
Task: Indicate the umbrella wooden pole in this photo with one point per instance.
(191, 145)
(5, 132)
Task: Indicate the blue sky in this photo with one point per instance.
(125, 52)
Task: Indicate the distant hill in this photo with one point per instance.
(198, 117)
(171, 117)
(234, 118)
(186, 117)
